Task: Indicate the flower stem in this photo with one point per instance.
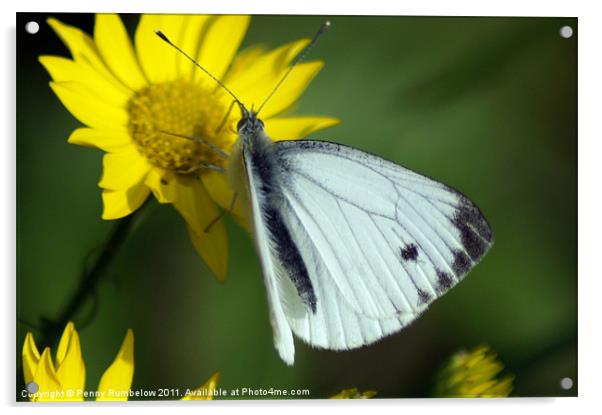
(90, 278)
(51, 329)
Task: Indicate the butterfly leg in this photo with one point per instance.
(208, 166)
(199, 140)
(222, 213)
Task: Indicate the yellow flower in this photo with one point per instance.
(354, 393)
(473, 374)
(65, 378)
(205, 391)
(139, 100)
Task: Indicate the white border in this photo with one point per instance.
(348, 7)
(590, 135)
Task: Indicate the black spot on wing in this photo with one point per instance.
(445, 280)
(409, 252)
(289, 256)
(474, 230)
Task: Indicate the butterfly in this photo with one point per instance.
(352, 247)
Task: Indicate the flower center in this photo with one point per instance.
(165, 119)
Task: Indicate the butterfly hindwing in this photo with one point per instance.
(274, 276)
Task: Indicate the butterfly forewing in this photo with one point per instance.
(391, 240)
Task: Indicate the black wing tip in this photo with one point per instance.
(476, 236)
(475, 231)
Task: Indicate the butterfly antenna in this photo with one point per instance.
(323, 29)
(198, 65)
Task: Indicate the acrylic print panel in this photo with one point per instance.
(142, 277)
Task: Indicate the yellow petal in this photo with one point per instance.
(220, 44)
(157, 58)
(106, 140)
(205, 391)
(293, 128)
(193, 28)
(89, 108)
(83, 49)
(501, 389)
(157, 180)
(71, 371)
(243, 61)
(82, 72)
(61, 352)
(474, 358)
(354, 393)
(485, 370)
(220, 191)
(478, 389)
(120, 203)
(192, 201)
(114, 45)
(254, 75)
(117, 379)
(212, 246)
(254, 64)
(288, 93)
(123, 169)
(31, 358)
(47, 379)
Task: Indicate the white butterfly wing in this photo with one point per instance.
(368, 245)
(334, 324)
(274, 278)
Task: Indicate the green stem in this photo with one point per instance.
(52, 329)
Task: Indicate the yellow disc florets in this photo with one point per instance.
(162, 115)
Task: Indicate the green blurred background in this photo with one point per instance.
(487, 105)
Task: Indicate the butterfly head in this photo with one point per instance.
(249, 123)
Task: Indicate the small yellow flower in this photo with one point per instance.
(205, 391)
(473, 374)
(354, 393)
(65, 378)
(139, 100)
